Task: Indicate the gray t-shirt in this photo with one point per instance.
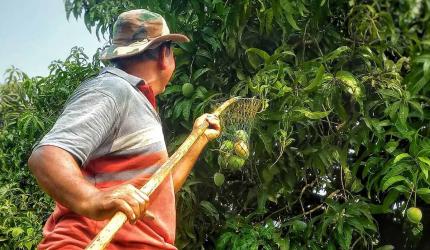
(110, 126)
(107, 115)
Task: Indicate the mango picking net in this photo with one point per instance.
(234, 143)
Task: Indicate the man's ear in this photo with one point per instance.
(162, 57)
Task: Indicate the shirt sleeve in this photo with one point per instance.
(88, 119)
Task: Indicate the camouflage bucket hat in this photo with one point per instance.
(136, 31)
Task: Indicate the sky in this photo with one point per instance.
(33, 33)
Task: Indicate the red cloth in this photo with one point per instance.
(65, 229)
(147, 91)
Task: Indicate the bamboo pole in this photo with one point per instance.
(119, 219)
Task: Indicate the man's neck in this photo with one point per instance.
(146, 71)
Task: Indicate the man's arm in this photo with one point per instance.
(184, 167)
(59, 175)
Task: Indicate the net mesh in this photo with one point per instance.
(237, 122)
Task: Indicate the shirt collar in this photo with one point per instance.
(133, 80)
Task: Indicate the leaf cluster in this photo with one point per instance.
(342, 147)
(28, 109)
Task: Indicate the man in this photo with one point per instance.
(108, 141)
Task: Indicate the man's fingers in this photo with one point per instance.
(127, 194)
(213, 121)
(138, 198)
(214, 126)
(141, 198)
(211, 134)
(142, 195)
(142, 203)
(132, 200)
(124, 207)
(126, 198)
(200, 120)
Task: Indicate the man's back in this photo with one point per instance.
(115, 132)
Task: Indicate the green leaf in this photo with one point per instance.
(401, 156)
(391, 146)
(386, 247)
(316, 82)
(390, 199)
(424, 194)
(178, 110)
(269, 20)
(172, 89)
(403, 114)
(68, 7)
(224, 241)
(423, 191)
(345, 237)
(313, 115)
(402, 189)
(282, 243)
(392, 109)
(186, 110)
(424, 168)
(257, 57)
(17, 231)
(261, 201)
(390, 93)
(348, 79)
(417, 106)
(336, 53)
(291, 21)
(392, 181)
(416, 86)
(371, 162)
(331, 246)
(267, 141)
(204, 53)
(425, 160)
(87, 21)
(209, 209)
(356, 186)
(198, 73)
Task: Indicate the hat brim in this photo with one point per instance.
(115, 51)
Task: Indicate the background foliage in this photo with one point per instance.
(28, 109)
(338, 156)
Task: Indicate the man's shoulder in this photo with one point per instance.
(109, 84)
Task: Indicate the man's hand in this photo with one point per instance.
(183, 168)
(126, 198)
(214, 129)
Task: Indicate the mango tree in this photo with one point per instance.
(337, 159)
